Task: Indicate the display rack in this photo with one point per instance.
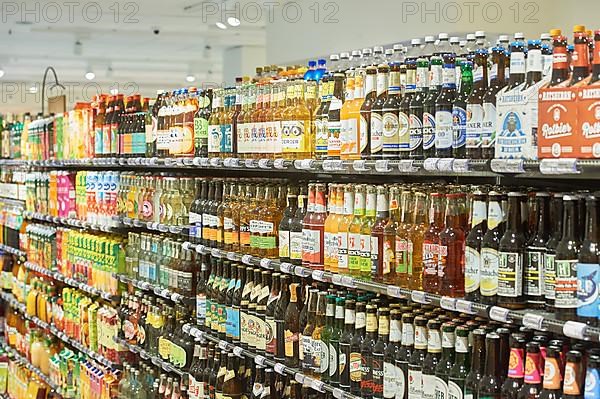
(156, 360)
(12, 250)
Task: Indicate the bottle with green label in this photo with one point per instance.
(201, 123)
(462, 364)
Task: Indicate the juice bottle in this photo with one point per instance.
(365, 232)
(330, 235)
(415, 244)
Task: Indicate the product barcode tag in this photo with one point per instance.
(336, 279)
(330, 165)
(448, 303)
(186, 245)
(260, 360)
(382, 165)
(234, 162)
(499, 313)
(187, 161)
(299, 377)
(307, 164)
(301, 271)
(317, 385)
(167, 161)
(575, 329)
(215, 252)
(430, 164)
(266, 263)
(406, 166)
(175, 297)
(196, 161)
(318, 275)
(223, 345)
(558, 166)
(393, 290)
(279, 163)
(464, 306)
(507, 165)
(348, 281)
(263, 163)
(204, 162)
(238, 351)
(445, 164)
(227, 162)
(418, 297)
(360, 165)
(533, 321)
(179, 162)
(286, 267)
(279, 368)
(460, 165)
(247, 259)
(249, 163)
(163, 228)
(338, 393)
(215, 162)
(232, 256)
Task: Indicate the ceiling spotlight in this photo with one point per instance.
(221, 25)
(233, 21)
(190, 78)
(90, 75)
(1, 72)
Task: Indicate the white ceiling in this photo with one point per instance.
(121, 47)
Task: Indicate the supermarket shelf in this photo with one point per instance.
(72, 222)
(157, 290)
(12, 250)
(72, 282)
(157, 361)
(9, 349)
(441, 167)
(260, 360)
(152, 226)
(56, 332)
(529, 318)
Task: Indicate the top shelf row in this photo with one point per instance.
(549, 168)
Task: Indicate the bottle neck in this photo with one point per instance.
(569, 221)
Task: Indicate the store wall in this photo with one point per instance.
(242, 60)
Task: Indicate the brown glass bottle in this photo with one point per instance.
(556, 217)
(292, 329)
(491, 381)
(536, 249)
(473, 246)
(475, 112)
(376, 138)
(533, 373)
(389, 234)
(560, 61)
(574, 376)
(477, 364)
(232, 384)
(365, 111)
(490, 259)
(431, 243)
(516, 370)
(497, 82)
(551, 388)
(587, 268)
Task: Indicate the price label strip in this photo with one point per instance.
(558, 166)
(464, 306)
(575, 329)
(430, 164)
(500, 314)
(394, 291)
(448, 303)
(533, 321)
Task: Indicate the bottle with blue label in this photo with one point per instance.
(592, 378)
(459, 111)
(310, 74)
(445, 101)
(588, 267)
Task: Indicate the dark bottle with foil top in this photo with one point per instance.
(476, 372)
(429, 122)
(447, 360)
(573, 384)
(415, 364)
(475, 114)
(404, 354)
(358, 337)
(366, 349)
(552, 386)
(416, 109)
(379, 352)
(279, 318)
(535, 252)
(392, 381)
(270, 325)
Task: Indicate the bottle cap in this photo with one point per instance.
(578, 28)
(555, 32)
(470, 37)
(443, 36)
(545, 36)
(429, 39)
(415, 42)
(480, 33)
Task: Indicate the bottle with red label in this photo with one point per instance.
(314, 230)
(560, 64)
(431, 243)
(580, 61)
(551, 388)
(596, 58)
(533, 369)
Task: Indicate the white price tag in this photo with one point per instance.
(232, 256)
(430, 164)
(336, 279)
(165, 293)
(331, 165)
(186, 328)
(168, 161)
(223, 345)
(418, 297)
(499, 313)
(215, 162)
(318, 275)
(234, 163)
(301, 271)
(199, 249)
(215, 252)
(186, 245)
(249, 163)
(238, 351)
(464, 306)
(199, 334)
(406, 166)
(317, 385)
(393, 290)
(263, 163)
(558, 166)
(204, 162)
(445, 164)
(279, 163)
(460, 165)
(286, 267)
(575, 329)
(507, 165)
(299, 377)
(163, 228)
(338, 393)
(266, 263)
(175, 297)
(179, 161)
(448, 303)
(187, 161)
(533, 321)
(348, 281)
(279, 368)
(382, 165)
(260, 360)
(196, 161)
(360, 165)
(227, 162)
(247, 259)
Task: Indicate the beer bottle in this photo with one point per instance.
(365, 111)
(415, 364)
(534, 63)
(459, 111)
(366, 352)
(473, 246)
(451, 259)
(320, 116)
(377, 111)
(511, 248)
(196, 387)
(429, 122)
(337, 325)
(237, 303)
(491, 382)
(354, 230)
(281, 305)
(343, 229)
(391, 373)
(462, 364)
(431, 360)
(443, 109)
(403, 356)
(580, 58)
(333, 117)
(431, 246)
(517, 64)
(588, 266)
(253, 319)
(444, 366)
(592, 375)
(551, 388)
(330, 244)
(222, 370)
(258, 386)
(416, 109)
(533, 380)
(560, 61)
(478, 364)
(556, 217)
(366, 250)
(407, 98)
(595, 60)
(344, 345)
(415, 241)
(320, 349)
(504, 334)
(285, 224)
(536, 248)
(378, 353)
(270, 327)
(389, 234)
(497, 82)
(380, 255)
(306, 342)
(292, 328)
(574, 376)
(403, 258)
(244, 309)
(475, 112)
(229, 316)
(488, 287)
(295, 252)
(395, 128)
(567, 252)
(232, 384)
(358, 337)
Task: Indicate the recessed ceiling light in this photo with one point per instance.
(221, 25)
(90, 75)
(233, 21)
(1, 72)
(190, 78)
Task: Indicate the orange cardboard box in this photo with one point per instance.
(557, 123)
(588, 124)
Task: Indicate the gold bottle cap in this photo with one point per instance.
(555, 32)
(578, 28)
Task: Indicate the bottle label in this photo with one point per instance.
(429, 127)
(552, 374)
(342, 241)
(311, 245)
(549, 276)
(354, 251)
(201, 307)
(295, 245)
(472, 267)
(291, 338)
(376, 133)
(363, 133)
(392, 125)
(320, 355)
(333, 360)
(377, 386)
(488, 126)
(177, 356)
(391, 380)
(510, 275)
(566, 285)
(307, 350)
(516, 368)
(403, 131)
(428, 386)
(592, 383)
(415, 384)
(355, 362)
(490, 261)
(570, 384)
(415, 132)
(293, 137)
(235, 324)
(214, 138)
(587, 289)
(374, 255)
(454, 391)
(532, 368)
(333, 142)
(269, 332)
(440, 390)
(459, 127)
(517, 62)
(474, 125)
(443, 130)
(534, 273)
(284, 244)
(534, 60)
(365, 253)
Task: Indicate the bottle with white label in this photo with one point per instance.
(536, 249)
(462, 364)
(366, 351)
(488, 123)
(431, 360)
(404, 354)
(392, 381)
(320, 349)
(517, 62)
(444, 366)
(379, 353)
(473, 246)
(327, 332)
(415, 364)
(488, 283)
(306, 342)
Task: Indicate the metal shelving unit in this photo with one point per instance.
(156, 360)
(12, 250)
